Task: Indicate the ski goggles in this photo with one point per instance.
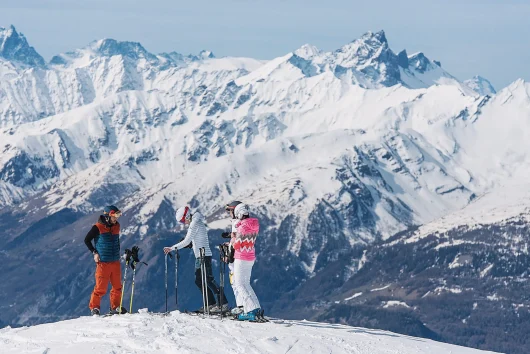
(115, 214)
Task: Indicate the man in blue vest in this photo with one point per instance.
(106, 251)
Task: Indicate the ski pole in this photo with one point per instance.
(132, 289)
(221, 278)
(202, 282)
(206, 288)
(166, 283)
(123, 284)
(169, 254)
(204, 297)
(177, 257)
(206, 283)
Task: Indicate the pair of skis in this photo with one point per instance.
(177, 258)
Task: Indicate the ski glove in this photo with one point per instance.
(128, 255)
(226, 235)
(134, 254)
(131, 257)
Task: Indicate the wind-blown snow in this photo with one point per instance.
(180, 333)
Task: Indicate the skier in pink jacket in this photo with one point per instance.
(245, 255)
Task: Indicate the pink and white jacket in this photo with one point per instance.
(243, 242)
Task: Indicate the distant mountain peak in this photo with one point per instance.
(206, 54)
(15, 47)
(481, 85)
(203, 55)
(420, 62)
(372, 56)
(107, 47)
(365, 49)
(379, 36)
(307, 51)
(111, 47)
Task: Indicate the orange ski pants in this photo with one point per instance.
(107, 272)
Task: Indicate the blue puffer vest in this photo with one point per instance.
(108, 241)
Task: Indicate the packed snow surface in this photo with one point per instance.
(181, 333)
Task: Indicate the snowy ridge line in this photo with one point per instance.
(107, 67)
(145, 333)
(502, 206)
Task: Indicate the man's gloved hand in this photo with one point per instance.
(128, 254)
(226, 235)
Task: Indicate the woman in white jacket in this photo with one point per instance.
(198, 235)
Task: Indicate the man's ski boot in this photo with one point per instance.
(94, 311)
(215, 309)
(117, 311)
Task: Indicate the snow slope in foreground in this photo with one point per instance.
(180, 333)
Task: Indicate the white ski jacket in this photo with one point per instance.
(198, 234)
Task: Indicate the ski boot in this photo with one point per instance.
(251, 316)
(215, 309)
(117, 311)
(94, 311)
(261, 316)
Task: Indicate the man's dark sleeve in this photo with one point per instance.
(92, 234)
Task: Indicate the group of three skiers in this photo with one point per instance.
(106, 251)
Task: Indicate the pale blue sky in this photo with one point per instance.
(469, 37)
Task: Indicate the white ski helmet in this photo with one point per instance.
(183, 214)
(241, 210)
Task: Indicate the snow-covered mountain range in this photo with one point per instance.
(333, 150)
(462, 278)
